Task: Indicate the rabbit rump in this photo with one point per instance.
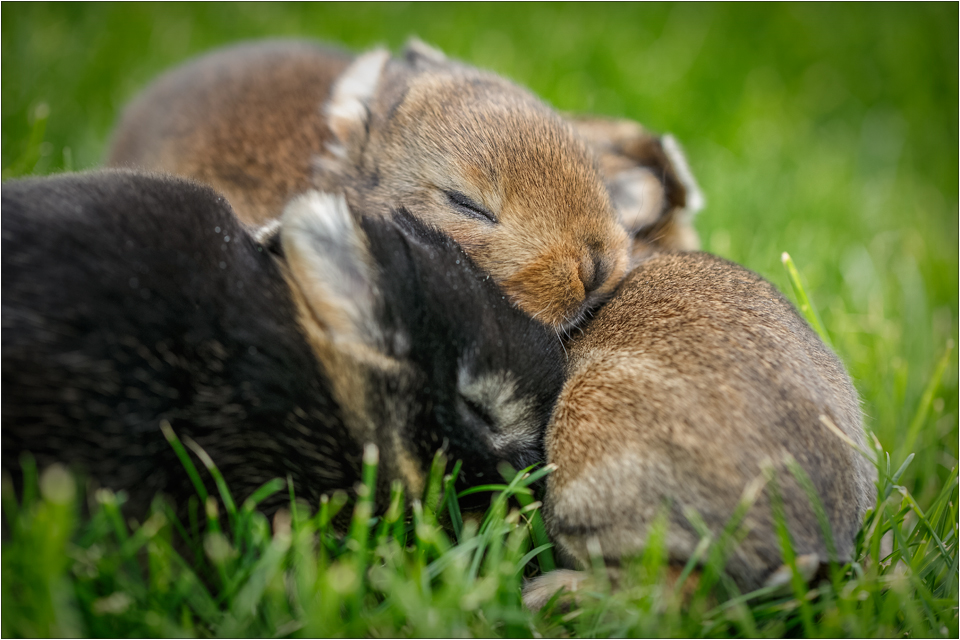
(461, 149)
(696, 376)
(649, 182)
(130, 300)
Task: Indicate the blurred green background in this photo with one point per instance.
(828, 131)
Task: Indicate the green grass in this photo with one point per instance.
(430, 572)
(825, 131)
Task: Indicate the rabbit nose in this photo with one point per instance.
(593, 273)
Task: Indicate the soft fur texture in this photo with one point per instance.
(464, 150)
(692, 379)
(246, 120)
(131, 299)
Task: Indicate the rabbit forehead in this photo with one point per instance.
(500, 139)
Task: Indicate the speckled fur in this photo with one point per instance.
(403, 137)
(682, 388)
(130, 299)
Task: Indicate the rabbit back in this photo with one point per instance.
(696, 375)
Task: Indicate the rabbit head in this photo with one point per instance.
(427, 351)
(487, 163)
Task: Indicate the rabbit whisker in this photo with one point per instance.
(561, 342)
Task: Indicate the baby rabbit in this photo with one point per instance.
(649, 182)
(131, 299)
(461, 149)
(682, 388)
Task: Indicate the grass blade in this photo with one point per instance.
(185, 460)
(228, 503)
(453, 505)
(920, 417)
(533, 553)
(538, 531)
(806, 307)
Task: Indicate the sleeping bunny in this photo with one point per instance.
(697, 376)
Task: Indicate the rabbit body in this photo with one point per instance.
(696, 375)
(246, 120)
(132, 299)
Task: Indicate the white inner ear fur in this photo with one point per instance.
(329, 261)
(347, 110)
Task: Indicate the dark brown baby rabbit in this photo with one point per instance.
(132, 299)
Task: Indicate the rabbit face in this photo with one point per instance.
(470, 373)
(489, 165)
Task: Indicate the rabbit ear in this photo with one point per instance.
(637, 195)
(417, 51)
(268, 237)
(694, 197)
(348, 110)
(328, 259)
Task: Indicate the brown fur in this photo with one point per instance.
(693, 379)
(250, 119)
(216, 120)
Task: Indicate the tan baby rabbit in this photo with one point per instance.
(696, 375)
(462, 149)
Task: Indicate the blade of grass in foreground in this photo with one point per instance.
(185, 460)
(225, 495)
(450, 497)
(538, 531)
(806, 307)
(920, 417)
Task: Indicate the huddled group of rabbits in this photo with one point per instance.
(299, 252)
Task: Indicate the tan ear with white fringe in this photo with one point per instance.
(348, 110)
(417, 50)
(695, 199)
